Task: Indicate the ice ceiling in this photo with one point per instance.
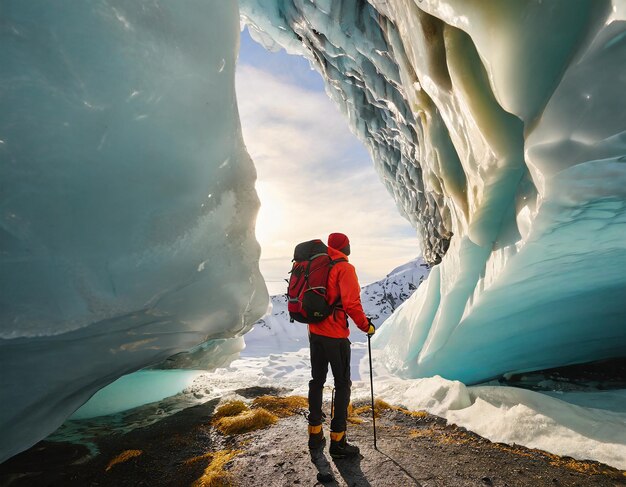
(127, 201)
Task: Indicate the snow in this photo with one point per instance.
(510, 165)
(512, 415)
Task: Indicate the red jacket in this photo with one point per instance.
(342, 283)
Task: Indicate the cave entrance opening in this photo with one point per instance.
(314, 176)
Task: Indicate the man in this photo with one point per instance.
(330, 345)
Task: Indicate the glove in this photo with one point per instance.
(372, 328)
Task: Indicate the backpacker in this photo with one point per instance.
(306, 294)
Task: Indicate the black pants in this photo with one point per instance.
(336, 352)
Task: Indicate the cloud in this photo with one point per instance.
(314, 178)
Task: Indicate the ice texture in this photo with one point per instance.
(499, 128)
(127, 200)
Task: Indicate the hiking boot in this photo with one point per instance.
(339, 446)
(316, 437)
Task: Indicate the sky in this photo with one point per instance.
(314, 176)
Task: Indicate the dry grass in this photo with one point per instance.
(230, 408)
(588, 468)
(414, 414)
(123, 457)
(215, 475)
(380, 405)
(422, 433)
(582, 467)
(191, 461)
(511, 449)
(246, 421)
(282, 407)
(446, 436)
(352, 416)
(455, 439)
(361, 410)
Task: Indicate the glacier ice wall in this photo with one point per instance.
(127, 199)
(499, 128)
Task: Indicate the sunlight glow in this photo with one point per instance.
(271, 215)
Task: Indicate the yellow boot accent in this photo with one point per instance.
(313, 430)
(336, 436)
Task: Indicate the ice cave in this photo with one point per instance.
(128, 204)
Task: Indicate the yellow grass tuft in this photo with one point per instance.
(442, 435)
(588, 468)
(282, 407)
(361, 410)
(206, 456)
(421, 433)
(215, 475)
(584, 467)
(512, 449)
(230, 408)
(353, 418)
(415, 414)
(251, 420)
(380, 405)
(123, 457)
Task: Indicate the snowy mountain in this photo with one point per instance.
(380, 299)
(274, 333)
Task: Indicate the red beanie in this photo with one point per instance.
(338, 241)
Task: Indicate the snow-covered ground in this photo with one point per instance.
(584, 425)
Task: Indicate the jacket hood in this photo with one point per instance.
(336, 254)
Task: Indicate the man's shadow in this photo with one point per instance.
(349, 469)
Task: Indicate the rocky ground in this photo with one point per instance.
(187, 449)
(422, 451)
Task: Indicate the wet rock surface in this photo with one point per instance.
(418, 449)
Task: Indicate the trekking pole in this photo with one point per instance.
(369, 349)
(332, 404)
